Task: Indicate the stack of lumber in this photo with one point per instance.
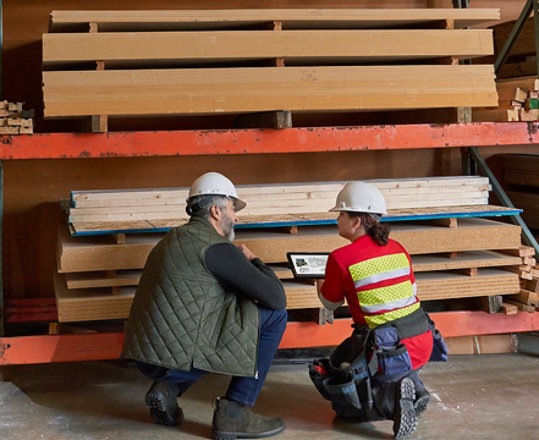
(528, 270)
(96, 276)
(15, 120)
(518, 101)
(453, 257)
(152, 63)
(521, 179)
(94, 212)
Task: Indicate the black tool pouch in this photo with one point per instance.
(344, 378)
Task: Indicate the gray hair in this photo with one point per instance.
(200, 205)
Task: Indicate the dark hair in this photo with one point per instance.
(377, 231)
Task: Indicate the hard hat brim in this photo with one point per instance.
(338, 209)
(239, 204)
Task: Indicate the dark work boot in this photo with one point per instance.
(233, 420)
(161, 398)
(421, 402)
(404, 420)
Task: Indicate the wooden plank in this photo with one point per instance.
(443, 285)
(301, 295)
(290, 18)
(235, 90)
(90, 304)
(521, 306)
(99, 228)
(92, 253)
(315, 47)
(264, 208)
(470, 259)
(424, 184)
(526, 297)
(509, 309)
(521, 251)
(91, 280)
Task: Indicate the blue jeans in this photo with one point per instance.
(244, 390)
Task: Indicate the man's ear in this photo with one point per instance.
(215, 212)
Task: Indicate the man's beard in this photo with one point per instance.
(227, 225)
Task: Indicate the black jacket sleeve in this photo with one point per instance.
(251, 278)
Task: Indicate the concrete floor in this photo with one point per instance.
(473, 397)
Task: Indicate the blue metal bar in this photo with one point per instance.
(504, 199)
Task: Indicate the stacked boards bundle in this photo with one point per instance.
(151, 63)
(453, 258)
(95, 212)
(518, 101)
(15, 120)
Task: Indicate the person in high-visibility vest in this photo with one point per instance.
(374, 275)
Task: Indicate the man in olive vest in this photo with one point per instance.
(205, 305)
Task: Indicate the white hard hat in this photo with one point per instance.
(360, 197)
(217, 185)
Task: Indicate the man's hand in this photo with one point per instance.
(247, 252)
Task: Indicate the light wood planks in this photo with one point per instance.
(93, 253)
(90, 304)
(420, 263)
(86, 280)
(314, 47)
(236, 90)
(488, 282)
(290, 18)
(162, 208)
(464, 260)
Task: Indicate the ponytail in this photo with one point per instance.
(373, 228)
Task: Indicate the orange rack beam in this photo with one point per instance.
(102, 346)
(256, 141)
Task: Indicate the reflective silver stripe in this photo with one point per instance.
(328, 304)
(383, 276)
(414, 286)
(390, 305)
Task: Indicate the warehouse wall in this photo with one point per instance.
(33, 188)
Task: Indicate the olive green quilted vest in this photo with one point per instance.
(182, 316)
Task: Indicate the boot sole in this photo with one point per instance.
(405, 417)
(420, 405)
(157, 403)
(220, 435)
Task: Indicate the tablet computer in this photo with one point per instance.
(308, 264)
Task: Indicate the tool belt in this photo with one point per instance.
(345, 377)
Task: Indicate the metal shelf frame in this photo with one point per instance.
(64, 348)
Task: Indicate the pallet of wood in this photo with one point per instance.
(15, 120)
(527, 299)
(124, 64)
(98, 212)
(451, 262)
(518, 100)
